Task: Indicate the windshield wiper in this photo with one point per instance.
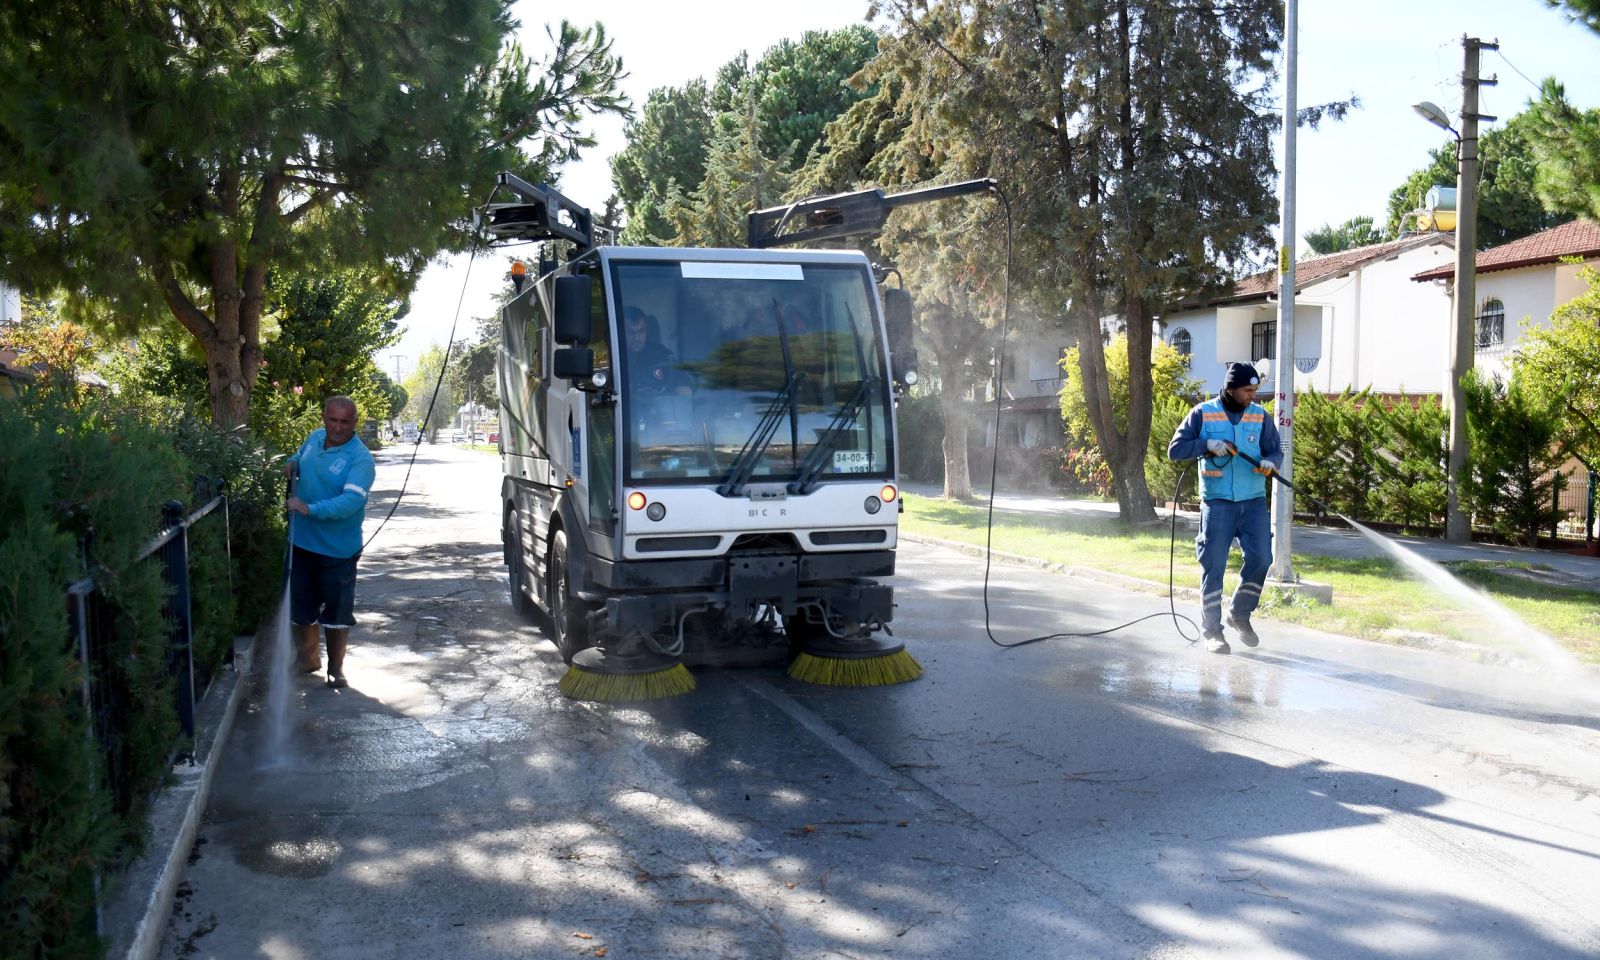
(745, 463)
(843, 419)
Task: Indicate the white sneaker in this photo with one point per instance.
(1247, 634)
(1215, 643)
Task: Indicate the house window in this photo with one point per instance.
(1182, 342)
(1264, 340)
(1491, 324)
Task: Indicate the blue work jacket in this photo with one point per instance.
(334, 484)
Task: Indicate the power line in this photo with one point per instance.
(1519, 72)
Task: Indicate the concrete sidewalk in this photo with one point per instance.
(1559, 569)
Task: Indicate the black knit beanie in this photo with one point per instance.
(1241, 375)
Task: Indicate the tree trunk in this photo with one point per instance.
(231, 339)
(953, 335)
(1124, 457)
(231, 336)
(957, 474)
(1136, 505)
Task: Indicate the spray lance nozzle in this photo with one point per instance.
(1271, 471)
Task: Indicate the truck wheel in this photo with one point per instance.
(569, 622)
(517, 566)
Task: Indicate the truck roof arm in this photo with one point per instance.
(539, 213)
(857, 214)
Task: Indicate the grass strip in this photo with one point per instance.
(1374, 598)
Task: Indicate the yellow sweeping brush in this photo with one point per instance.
(622, 687)
(854, 661)
(597, 676)
(879, 671)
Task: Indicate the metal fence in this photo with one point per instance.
(92, 622)
(1575, 498)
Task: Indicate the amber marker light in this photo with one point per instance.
(636, 500)
(888, 493)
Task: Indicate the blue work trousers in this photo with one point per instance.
(1222, 522)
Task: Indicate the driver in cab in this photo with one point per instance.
(652, 368)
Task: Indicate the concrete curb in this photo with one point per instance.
(135, 911)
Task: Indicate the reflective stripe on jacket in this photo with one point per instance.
(1232, 478)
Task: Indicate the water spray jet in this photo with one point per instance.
(1541, 646)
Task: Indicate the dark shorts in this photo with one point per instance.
(322, 589)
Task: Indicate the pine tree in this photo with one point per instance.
(1566, 142)
(158, 159)
(738, 178)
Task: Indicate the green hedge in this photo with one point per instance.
(1385, 459)
(95, 474)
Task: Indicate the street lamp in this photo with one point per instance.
(1430, 112)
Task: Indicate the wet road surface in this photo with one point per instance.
(1127, 796)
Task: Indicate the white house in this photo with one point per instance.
(1359, 321)
(10, 304)
(1524, 280)
(1029, 396)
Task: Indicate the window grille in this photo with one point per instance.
(1182, 342)
(1491, 324)
(1264, 340)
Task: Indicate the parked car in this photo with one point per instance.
(458, 436)
(494, 438)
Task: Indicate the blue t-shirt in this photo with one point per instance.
(334, 484)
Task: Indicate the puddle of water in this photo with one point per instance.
(299, 858)
(1235, 683)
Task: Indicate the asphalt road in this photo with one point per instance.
(1125, 796)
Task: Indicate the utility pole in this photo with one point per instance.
(397, 358)
(1282, 569)
(1457, 521)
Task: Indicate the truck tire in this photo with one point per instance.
(517, 566)
(569, 622)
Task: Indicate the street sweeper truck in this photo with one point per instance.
(698, 446)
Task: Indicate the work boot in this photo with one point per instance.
(1215, 643)
(1247, 634)
(337, 641)
(307, 657)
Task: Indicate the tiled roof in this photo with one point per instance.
(10, 368)
(1310, 270)
(1580, 238)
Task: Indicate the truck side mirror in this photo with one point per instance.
(574, 363)
(572, 311)
(901, 329)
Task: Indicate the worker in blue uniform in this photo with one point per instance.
(335, 472)
(1233, 498)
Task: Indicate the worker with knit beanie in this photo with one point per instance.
(1233, 498)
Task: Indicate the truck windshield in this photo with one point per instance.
(736, 373)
